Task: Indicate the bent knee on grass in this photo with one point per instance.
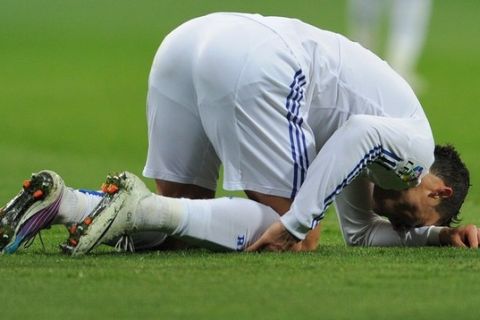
(279, 204)
(182, 190)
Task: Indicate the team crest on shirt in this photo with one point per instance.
(409, 172)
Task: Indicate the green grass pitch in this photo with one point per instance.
(73, 78)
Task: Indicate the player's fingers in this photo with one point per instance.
(458, 242)
(254, 247)
(300, 246)
(265, 244)
(472, 236)
(257, 245)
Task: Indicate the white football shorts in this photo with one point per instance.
(230, 93)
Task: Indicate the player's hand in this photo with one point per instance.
(465, 236)
(276, 238)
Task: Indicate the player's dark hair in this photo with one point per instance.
(449, 167)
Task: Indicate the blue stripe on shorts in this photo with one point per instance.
(296, 134)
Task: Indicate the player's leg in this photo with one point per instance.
(219, 224)
(180, 156)
(45, 200)
(212, 214)
(177, 163)
(181, 190)
(364, 21)
(177, 190)
(409, 26)
(225, 208)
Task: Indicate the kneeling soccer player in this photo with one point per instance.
(295, 114)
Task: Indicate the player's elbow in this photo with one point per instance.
(361, 129)
(361, 123)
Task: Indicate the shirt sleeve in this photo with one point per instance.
(398, 152)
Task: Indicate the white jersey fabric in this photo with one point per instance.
(272, 98)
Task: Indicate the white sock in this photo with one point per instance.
(76, 205)
(220, 224)
(159, 213)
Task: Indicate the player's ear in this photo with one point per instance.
(443, 192)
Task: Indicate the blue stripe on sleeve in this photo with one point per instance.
(370, 156)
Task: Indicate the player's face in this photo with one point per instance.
(410, 208)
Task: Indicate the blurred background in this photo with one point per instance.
(73, 77)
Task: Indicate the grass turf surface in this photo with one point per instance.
(72, 98)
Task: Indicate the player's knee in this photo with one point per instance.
(182, 190)
(279, 204)
(360, 127)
